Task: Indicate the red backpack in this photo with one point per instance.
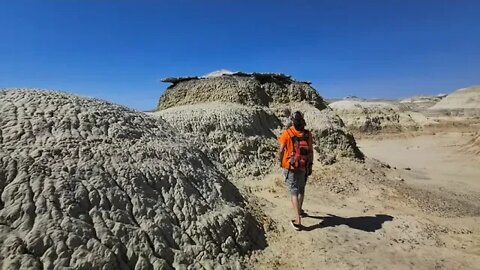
(300, 157)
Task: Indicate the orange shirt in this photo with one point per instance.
(287, 141)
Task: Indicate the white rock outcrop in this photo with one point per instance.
(218, 73)
(86, 184)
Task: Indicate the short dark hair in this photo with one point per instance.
(298, 120)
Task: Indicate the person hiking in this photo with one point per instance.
(296, 159)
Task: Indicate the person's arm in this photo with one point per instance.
(281, 152)
(310, 154)
(282, 140)
(311, 146)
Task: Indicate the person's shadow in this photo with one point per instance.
(365, 223)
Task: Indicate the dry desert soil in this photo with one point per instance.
(420, 213)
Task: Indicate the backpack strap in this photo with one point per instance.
(305, 135)
(292, 137)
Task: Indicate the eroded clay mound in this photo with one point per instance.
(91, 185)
(331, 137)
(462, 99)
(253, 89)
(239, 139)
(236, 118)
(373, 117)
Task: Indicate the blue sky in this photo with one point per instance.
(118, 50)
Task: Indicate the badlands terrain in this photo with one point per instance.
(86, 184)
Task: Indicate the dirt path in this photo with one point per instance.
(359, 220)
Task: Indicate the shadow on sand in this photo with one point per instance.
(365, 223)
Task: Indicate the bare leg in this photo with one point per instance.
(296, 209)
(300, 201)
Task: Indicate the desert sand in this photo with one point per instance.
(439, 160)
(381, 221)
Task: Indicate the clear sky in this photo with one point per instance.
(118, 50)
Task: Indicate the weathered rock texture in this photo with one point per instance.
(236, 119)
(331, 136)
(374, 117)
(256, 89)
(90, 185)
(465, 101)
(238, 138)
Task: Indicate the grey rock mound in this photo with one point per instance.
(239, 139)
(253, 89)
(91, 185)
(236, 119)
(332, 138)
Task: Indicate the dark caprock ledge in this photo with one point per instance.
(258, 75)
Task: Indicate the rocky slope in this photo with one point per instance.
(238, 138)
(474, 145)
(373, 117)
(236, 118)
(91, 185)
(421, 103)
(464, 101)
(331, 137)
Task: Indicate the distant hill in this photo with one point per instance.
(465, 98)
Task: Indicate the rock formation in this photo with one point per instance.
(464, 101)
(238, 138)
(374, 117)
(235, 118)
(87, 184)
(331, 137)
(255, 89)
(218, 73)
(421, 103)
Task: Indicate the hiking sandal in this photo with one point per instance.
(295, 226)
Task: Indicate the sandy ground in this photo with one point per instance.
(430, 160)
(369, 216)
